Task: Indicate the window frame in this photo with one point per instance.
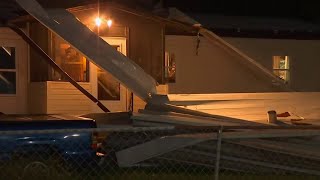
(54, 41)
(170, 57)
(287, 69)
(11, 70)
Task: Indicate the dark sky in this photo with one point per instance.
(302, 9)
(308, 10)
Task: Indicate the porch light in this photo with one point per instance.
(109, 23)
(98, 21)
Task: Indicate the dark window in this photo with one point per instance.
(7, 70)
(7, 55)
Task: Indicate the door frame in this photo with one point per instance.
(112, 105)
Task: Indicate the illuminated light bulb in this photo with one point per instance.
(109, 22)
(98, 21)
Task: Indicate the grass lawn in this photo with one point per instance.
(15, 171)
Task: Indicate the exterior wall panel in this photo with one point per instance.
(63, 98)
(304, 55)
(58, 98)
(214, 70)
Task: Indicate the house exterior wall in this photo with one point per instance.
(55, 97)
(214, 70)
(145, 37)
(17, 102)
(52, 97)
(304, 58)
(144, 40)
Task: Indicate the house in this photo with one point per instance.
(175, 58)
(232, 72)
(30, 85)
(286, 47)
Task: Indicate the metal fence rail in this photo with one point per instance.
(162, 153)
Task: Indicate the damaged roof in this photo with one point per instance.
(257, 23)
(259, 27)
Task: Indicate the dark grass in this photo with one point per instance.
(56, 171)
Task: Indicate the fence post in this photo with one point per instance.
(217, 168)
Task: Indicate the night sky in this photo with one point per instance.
(308, 10)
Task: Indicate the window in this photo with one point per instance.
(108, 86)
(170, 67)
(281, 67)
(7, 70)
(70, 60)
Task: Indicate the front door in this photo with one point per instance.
(13, 73)
(108, 90)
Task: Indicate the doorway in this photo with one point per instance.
(106, 88)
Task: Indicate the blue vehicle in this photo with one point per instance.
(72, 149)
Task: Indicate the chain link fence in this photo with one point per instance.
(161, 153)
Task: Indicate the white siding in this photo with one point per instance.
(64, 98)
(58, 98)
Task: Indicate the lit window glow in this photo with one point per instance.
(281, 67)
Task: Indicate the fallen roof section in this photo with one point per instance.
(69, 28)
(302, 107)
(162, 144)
